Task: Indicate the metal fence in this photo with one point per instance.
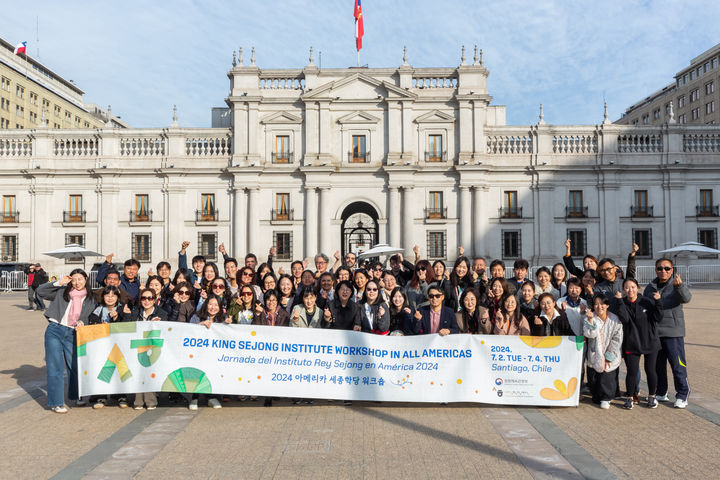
(692, 274)
(11, 281)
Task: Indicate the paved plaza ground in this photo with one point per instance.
(365, 440)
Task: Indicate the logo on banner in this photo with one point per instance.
(498, 381)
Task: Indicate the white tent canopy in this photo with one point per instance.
(691, 248)
(380, 249)
(73, 251)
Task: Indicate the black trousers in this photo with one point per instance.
(632, 362)
(604, 386)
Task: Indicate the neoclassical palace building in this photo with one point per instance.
(318, 160)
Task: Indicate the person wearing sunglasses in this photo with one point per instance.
(376, 313)
(246, 309)
(147, 310)
(416, 289)
(435, 318)
(247, 277)
(612, 276)
(182, 303)
(671, 329)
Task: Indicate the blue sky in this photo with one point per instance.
(142, 57)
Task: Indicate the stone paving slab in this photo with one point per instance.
(366, 440)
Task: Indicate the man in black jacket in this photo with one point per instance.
(435, 318)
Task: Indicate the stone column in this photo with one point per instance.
(311, 221)
(478, 218)
(326, 246)
(253, 228)
(408, 217)
(394, 217)
(465, 219)
(239, 223)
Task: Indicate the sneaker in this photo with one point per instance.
(636, 399)
(192, 405)
(122, 402)
(59, 409)
(152, 408)
(629, 402)
(652, 402)
(138, 407)
(662, 398)
(347, 403)
(99, 403)
(605, 404)
(680, 403)
(214, 403)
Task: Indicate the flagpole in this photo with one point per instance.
(358, 58)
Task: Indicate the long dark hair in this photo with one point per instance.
(391, 305)
(187, 285)
(88, 290)
(203, 312)
(253, 299)
(292, 286)
(379, 298)
(181, 271)
(226, 296)
(203, 282)
(554, 282)
(517, 316)
(470, 320)
(467, 280)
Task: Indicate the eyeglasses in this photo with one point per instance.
(246, 294)
(371, 289)
(609, 269)
(378, 269)
(660, 269)
(143, 298)
(246, 274)
(183, 292)
(435, 295)
(218, 287)
(422, 269)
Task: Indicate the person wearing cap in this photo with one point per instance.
(36, 277)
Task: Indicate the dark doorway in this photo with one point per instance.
(359, 228)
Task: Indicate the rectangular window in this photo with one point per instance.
(682, 118)
(208, 207)
(33, 117)
(578, 242)
(708, 237)
(74, 239)
(705, 208)
(511, 246)
(19, 91)
(75, 211)
(208, 245)
(656, 114)
(57, 111)
(283, 245)
(33, 98)
(6, 84)
(359, 154)
(435, 205)
(9, 248)
(282, 149)
(141, 247)
(646, 119)
(644, 240)
(142, 213)
(436, 244)
(640, 207)
(710, 107)
(5, 104)
(510, 204)
(667, 108)
(9, 212)
(282, 206)
(681, 101)
(575, 204)
(695, 113)
(709, 87)
(19, 111)
(694, 95)
(435, 148)
(714, 63)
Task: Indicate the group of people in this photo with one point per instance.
(598, 301)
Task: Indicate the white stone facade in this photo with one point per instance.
(309, 117)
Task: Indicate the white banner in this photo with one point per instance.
(332, 364)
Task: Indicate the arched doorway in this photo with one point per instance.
(359, 228)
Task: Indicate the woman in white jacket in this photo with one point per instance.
(605, 335)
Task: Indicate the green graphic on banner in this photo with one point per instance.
(187, 380)
(114, 360)
(123, 327)
(149, 348)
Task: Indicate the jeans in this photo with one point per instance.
(673, 351)
(60, 354)
(34, 302)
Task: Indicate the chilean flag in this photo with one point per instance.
(359, 30)
(21, 48)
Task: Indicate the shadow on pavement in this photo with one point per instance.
(464, 442)
(31, 379)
